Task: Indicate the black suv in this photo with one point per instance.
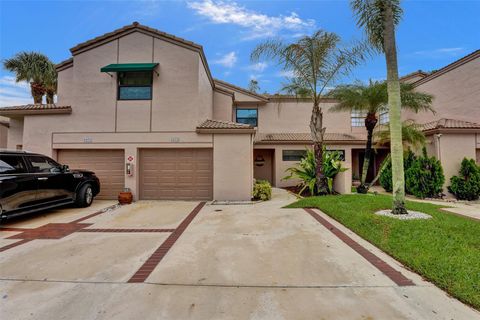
(30, 182)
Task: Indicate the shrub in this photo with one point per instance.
(386, 176)
(467, 185)
(424, 178)
(262, 190)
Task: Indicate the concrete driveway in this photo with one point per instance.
(190, 260)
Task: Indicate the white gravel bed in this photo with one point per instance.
(410, 216)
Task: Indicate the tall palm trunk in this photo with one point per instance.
(394, 103)
(37, 91)
(317, 131)
(370, 123)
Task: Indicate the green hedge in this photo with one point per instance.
(424, 178)
(467, 185)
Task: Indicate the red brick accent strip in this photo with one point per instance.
(94, 214)
(126, 230)
(378, 263)
(13, 229)
(51, 231)
(12, 245)
(146, 269)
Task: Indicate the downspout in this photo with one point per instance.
(439, 154)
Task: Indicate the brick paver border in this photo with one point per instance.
(378, 263)
(146, 269)
(126, 230)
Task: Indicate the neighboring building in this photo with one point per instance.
(145, 98)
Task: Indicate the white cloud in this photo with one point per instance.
(258, 67)
(454, 51)
(257, 24)
(286, 74)
(13, 93)
(228, 60)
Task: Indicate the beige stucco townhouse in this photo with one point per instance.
(141, 109)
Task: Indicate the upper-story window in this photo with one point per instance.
(247, 116)
(135, 85)
(384, 117)
(358, 118)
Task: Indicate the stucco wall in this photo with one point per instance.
(222, 106)
(451, 148)
(295, 117)
(456, 95)
(233, 166)
(15, 133)
(3, 132)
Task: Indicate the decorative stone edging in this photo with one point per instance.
(412, 215)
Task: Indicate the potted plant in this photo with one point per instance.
(125, 197)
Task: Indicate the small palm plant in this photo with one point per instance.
(306, 172)
(372, 99)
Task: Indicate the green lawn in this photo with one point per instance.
(445, 250)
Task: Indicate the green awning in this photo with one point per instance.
(118, 67)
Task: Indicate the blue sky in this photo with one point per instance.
(431, 35)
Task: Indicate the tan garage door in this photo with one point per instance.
(107, 165)
(182, 174)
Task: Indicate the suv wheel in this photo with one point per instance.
(84, 196)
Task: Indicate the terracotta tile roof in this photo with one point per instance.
(306, 137)
(450, 124)
(35, 109)
(245, 91)
(64, 64)
(418, 73)
(220, 124)
(133, 26)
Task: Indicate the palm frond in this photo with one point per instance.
(370, 15)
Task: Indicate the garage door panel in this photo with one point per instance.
(183, 174)
(107, 165)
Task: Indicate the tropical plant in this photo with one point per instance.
(385, 174)
(466, 186)
(262, 190)
(253, 86)
(379, 18)
(371, 100)
(34, 68)
(306, 170)
(412, 137)
(314, 63)
(424, 177)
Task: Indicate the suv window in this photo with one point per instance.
(42, 164)
(12, 164)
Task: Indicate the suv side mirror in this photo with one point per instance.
(65, 168)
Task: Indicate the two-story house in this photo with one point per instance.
(141, 109)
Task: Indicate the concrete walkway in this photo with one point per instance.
(217, 262)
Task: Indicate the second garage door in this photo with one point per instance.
(183, 174)
(107, 165)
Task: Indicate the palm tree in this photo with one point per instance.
(314, 63)
(31, 67)
(379, 18)
(253, 86)
(50, 82)
(371, 100)
(412, 137)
